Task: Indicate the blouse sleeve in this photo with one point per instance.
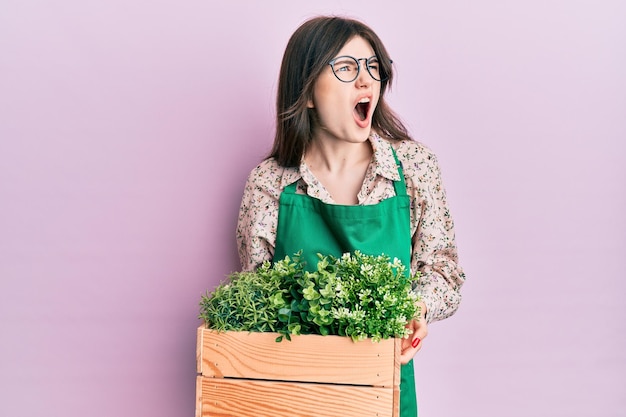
(434, 252)
(258, 216)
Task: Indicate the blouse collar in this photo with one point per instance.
(383, 164)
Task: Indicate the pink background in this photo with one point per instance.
(127, 129)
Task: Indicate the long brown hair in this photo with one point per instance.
(307, 54)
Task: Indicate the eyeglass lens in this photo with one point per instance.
(346, 68)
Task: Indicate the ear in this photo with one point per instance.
(309, 104)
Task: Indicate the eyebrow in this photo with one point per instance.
(350, 56)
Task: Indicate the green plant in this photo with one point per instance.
(355, 295)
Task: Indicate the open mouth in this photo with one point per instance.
(362, 107)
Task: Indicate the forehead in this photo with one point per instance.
(357, 47)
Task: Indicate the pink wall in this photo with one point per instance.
(127, 129)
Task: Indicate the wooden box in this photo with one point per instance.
(244, 374)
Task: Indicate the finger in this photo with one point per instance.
(407, 355)
(416, 341)
(408, 352)
(413, 344)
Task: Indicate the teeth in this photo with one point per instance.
(364, 100)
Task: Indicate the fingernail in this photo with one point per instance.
(415, 342)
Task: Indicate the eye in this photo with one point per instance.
(344, 65)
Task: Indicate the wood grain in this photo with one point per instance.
(306, 358)
(251, 375)
(223, 397)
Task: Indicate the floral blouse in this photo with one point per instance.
(434, 251)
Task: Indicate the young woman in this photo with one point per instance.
(344, 174)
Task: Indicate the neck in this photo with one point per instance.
(340, 167)
(334, 156)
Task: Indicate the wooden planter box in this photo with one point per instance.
(245, 374)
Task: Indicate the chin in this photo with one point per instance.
(357, 139)
(363, 136)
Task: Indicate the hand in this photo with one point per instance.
(413, 343)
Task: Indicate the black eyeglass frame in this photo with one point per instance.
(358, 67)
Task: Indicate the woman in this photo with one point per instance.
(344, 174)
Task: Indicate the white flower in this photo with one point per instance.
(364, 295)
(367, 270)
(341, 313)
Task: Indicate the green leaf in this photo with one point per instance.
(294, 328)
(310, 293)
(284, 314)
(355, 295)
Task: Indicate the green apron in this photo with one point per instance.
(306, 223)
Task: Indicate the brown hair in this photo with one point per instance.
(308, 51)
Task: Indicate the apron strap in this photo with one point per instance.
(399, 186)
(291, 188)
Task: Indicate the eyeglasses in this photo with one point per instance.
(346, 68)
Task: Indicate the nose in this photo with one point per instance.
(364, 79)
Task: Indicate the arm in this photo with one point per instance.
(434, 252)
(258, 216)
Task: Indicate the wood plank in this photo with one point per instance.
(396, 401)
(396, 379)
(199, 388)
(199, 347)
(307, 358)
(223, 397)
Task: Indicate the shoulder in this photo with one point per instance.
(418, 160)
(415, 156)
(413, 151)
(267, 169)
(420, 166)
(266, 175)
(269, 177)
